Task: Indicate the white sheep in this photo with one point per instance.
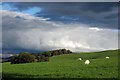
(79, 59)
(107, 57)
(87, 62)
(11, 55)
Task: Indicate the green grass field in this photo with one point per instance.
(67, 66)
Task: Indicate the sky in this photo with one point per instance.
(42, 26)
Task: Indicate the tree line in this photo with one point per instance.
(26, 57)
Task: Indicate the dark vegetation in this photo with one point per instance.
(25, 57)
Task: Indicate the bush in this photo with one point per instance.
(14, 59)
(56, 52)
(23, 57)
(43, 58)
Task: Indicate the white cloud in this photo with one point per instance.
(36, 33)
(24, 16)
(95, 28)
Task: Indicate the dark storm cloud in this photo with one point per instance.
(95, 13)
(61, 7)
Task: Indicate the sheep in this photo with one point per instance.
(11, 55)
(107, 57)
(79, 59)
(87, 62)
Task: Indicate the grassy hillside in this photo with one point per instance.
(67, 66)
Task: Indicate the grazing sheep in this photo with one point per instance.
(87, 62)
(11, 55)
(79, 59)
(107, 57)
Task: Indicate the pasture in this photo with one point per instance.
(67, 66)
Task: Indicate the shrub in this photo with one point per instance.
(23, 57)
(14, 59)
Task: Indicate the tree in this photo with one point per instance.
(23, 57)
(14, 59)
(68, 51)
(43, 58)
(46, 54)
(64, 51)
(26, 57)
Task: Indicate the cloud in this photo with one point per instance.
(61, 1)
(26, 32)
(87, 12)
(95, 28)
